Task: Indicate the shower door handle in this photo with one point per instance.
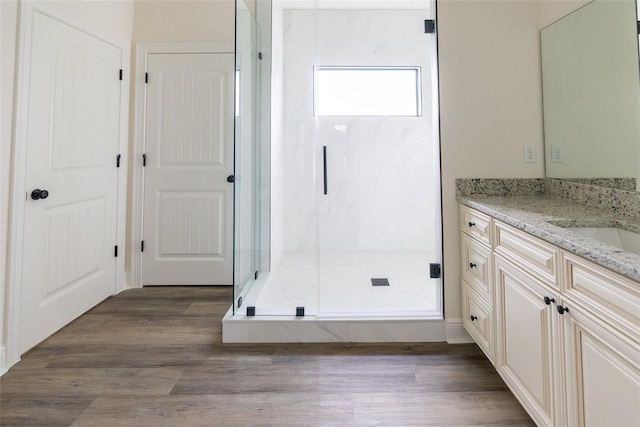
(324, 166)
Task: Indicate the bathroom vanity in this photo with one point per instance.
(557, 313)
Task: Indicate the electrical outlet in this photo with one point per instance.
(556, 154)
(529, 154)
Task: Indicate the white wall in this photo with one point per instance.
(8, 33)
(490, 100)
(112, 18)
(184, 21)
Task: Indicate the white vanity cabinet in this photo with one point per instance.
(602, 345)
(528, 342)
(477, 278)
(565, 335)
(602, 372)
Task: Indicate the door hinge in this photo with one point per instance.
(146, 77)
(429, 26)
(144, 160)
(142, 246)
(115, 251)
(121, 75)
(435, 270)
(260, 55)
(118, 157)
(255, 276)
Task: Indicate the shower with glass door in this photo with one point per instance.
(356, 232)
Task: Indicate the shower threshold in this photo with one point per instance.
(288, 329)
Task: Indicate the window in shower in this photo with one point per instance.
(368, 91)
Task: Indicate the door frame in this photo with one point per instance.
(18, 186)
(143, 50)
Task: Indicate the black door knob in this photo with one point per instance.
(548, 300)
(562, 309)
(472, 265)
(39, 194)
(472, 317)
(231, 178)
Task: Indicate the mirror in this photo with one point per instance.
(591, 95)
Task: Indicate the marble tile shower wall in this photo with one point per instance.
(375, 164)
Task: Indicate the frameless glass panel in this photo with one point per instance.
(368, 91)
(292, 282)
(247, 152)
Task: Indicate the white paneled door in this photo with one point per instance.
(70, 216)
(188, 201)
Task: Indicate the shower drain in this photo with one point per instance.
(380, 282)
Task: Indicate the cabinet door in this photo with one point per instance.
(603, 372)
(526, 340)
(478, 320)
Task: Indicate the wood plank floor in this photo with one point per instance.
(154, 357)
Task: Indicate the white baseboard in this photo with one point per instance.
(3, 361)
(128, 280)
(456, 333)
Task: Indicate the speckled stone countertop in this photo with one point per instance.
(546, 216)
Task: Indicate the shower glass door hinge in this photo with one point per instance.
(435, 270)
(429, 26)
(255, 276)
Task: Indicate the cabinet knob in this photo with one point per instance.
(562, 309)
(471, 265)
(473, 317)
(548, 300)
(472, 224)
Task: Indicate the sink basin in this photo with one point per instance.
(623, 239)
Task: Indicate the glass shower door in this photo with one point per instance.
(378, 164)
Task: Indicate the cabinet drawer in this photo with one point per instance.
(478, 319)
(477, 267)
(530, 253)
(476, 224)
(612, 297)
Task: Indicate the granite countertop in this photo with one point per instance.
(546, 217)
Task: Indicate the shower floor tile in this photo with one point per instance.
(346, 287)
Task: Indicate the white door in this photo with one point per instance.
(73, 128)
(188, 202)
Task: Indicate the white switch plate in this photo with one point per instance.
(529, 154)
(556, 154)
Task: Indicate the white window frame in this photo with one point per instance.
(418, 88)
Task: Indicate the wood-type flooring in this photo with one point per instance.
(154, 357)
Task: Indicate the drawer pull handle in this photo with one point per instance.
(472, 224)
(562, 309)
(472, 265)
(474, 317)
(548, 300)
